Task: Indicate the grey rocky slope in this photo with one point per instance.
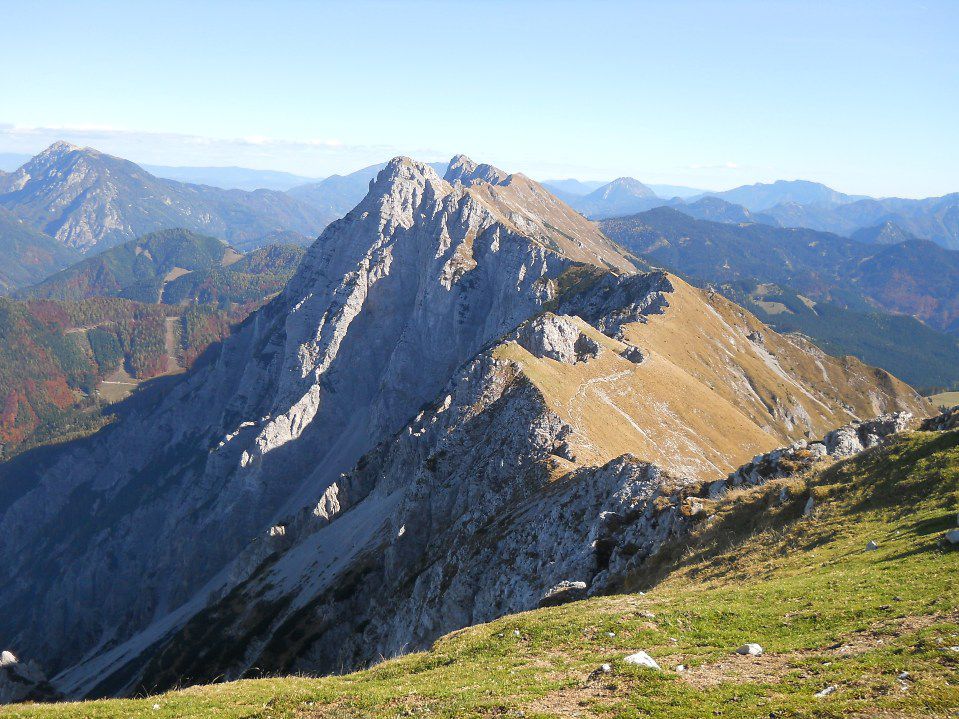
(87, 199)
(330, 485)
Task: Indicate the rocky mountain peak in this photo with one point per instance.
(624, 186)
(463, 169)
(61, 147)
(85, 198)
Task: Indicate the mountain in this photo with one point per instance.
(27, 256)
(338, 194)
(888, 233)
(715, 209)
(762, 196)
(90, 201)
(820, 265)
(622, 196)
(572, 187)
(159, 266)
(823, 268)
(779, 562)
(427, 428)
(933, 218)
(231, 178)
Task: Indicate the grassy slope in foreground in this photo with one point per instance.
(827, 612)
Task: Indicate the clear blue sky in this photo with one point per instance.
(861, 95)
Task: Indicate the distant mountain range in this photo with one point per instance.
(89, 201)
(762, 196)
(785, 203)
(932, 218)
(821, 267)
(231, 178)
(571, 187)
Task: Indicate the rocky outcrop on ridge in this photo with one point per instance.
(947, 419)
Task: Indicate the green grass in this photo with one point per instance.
(803, 587)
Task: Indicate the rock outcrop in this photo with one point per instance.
(23, 681)
(843, 442)
(947, 419)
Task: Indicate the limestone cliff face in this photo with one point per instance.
(424, 430)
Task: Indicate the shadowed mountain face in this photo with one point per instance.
(88, 200)
(82, 339)
(888, 233)
(26, 255)
(172, 267)
(333, 483)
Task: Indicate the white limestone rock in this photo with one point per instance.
(558, 338)
(642, 659)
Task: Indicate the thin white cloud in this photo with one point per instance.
(310, 156)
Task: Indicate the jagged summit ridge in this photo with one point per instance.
(463, 169)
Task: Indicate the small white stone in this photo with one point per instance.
(751, 649)
(642, 659)
(606, 668)
(904, 675)
(825, 692)
(680, 667)
(516, 632)
(7, 658)
(952, 536)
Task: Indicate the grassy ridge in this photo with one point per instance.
(828, 613)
